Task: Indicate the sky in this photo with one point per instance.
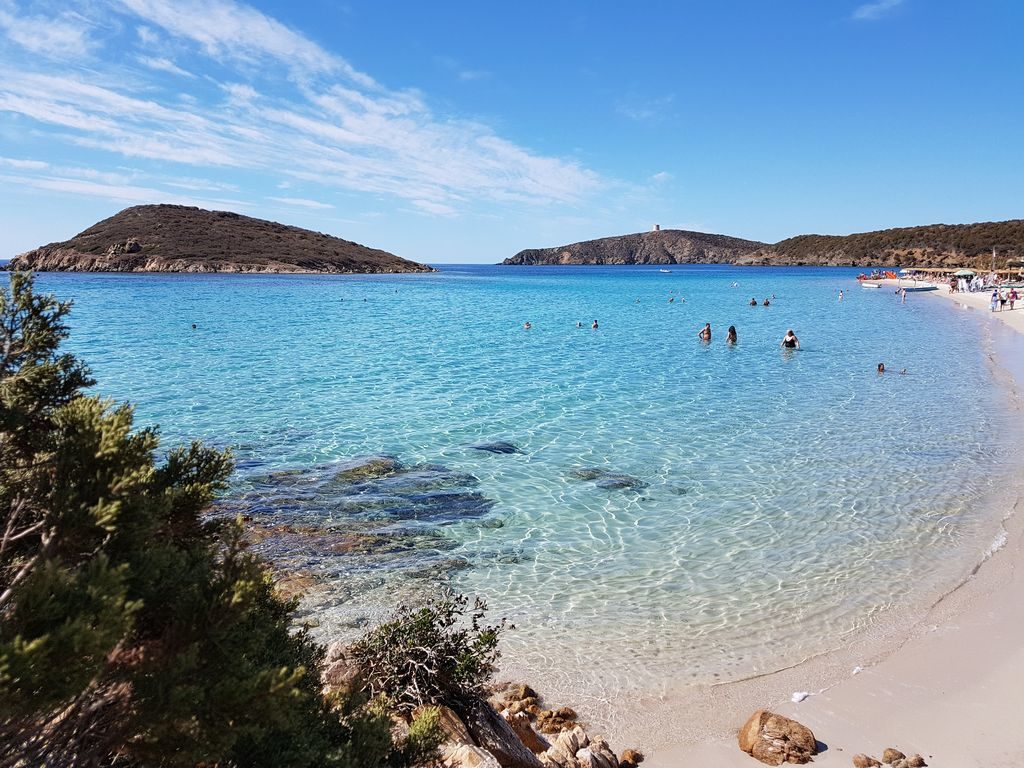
(466, 131)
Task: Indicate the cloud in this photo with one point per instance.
(875, 10)
(63, 37)
(25, 165)
(163, 65)
(473, 74)
(279, 106)
(661, 177)
(645, 110)
(301, 202)
(228, 31)
(121, 193)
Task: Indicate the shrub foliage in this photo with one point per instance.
(133, 630)
(438, 653)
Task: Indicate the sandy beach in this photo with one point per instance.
(950, 689)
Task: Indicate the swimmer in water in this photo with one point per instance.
(527, 325)
(753, 302)
(730, 335)
(766, 303)
(881, 367)
(593, 327)
(790, 341)
(193, 326)
(579, 324)
(705, 333)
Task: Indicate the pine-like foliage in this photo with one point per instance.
(132, 630)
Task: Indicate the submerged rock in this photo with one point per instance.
(607, 479)
(499, 446)
(367, 469)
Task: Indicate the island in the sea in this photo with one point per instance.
(178, 238)
(936, 245)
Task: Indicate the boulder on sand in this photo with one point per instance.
(774, 739)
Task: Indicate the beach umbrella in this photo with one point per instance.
(963, 273)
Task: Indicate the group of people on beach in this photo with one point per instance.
(1000, 297)
(973, 283)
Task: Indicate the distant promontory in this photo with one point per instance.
(664, 246)
(177, 238)
(936, 245)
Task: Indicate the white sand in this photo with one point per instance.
(952, 690)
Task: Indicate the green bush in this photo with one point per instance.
(438, 653)
(133, 630)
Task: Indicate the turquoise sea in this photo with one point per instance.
(675, 511)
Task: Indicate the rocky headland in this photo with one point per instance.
(667, 246)
(177, 238)
(937, 245)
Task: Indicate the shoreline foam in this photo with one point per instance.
(948, 688)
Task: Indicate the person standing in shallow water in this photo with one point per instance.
(790, 341)
(594, 326)
(705, 333)
(730, 335)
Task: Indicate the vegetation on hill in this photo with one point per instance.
(134, 630)
(177, 238)
(937, 245)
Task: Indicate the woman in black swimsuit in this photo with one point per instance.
(790, 341)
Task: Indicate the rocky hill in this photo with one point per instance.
(667, 246)
(177, 238)
(937, 245)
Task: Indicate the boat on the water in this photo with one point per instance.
(664, 270)
(866, 284)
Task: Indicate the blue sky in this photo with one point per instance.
(462, 131)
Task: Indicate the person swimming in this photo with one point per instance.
(790, 341)
(881, 367)
(527, 325)
(730, 335)
(705, 333)
(766, 303)
(753, 302)
(594, 326)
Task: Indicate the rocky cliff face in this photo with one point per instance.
(668, 246)
(175, 238)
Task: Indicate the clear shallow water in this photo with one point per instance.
(780, 500)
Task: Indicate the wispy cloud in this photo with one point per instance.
(874, 10)
(661, 177)
(473, 74)
(164, 65)
(301, 202)
(230, 31)
(644, 110)
(62, 37)
(281, 106)
(120, 193)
